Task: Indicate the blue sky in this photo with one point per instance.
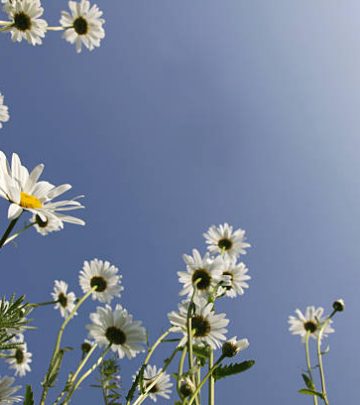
(190, 114)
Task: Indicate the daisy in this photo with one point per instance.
(86, 346)
(51, 224)
(162, 386)
(103, 276)
(118, 329)
(20, 358)
(25, 192)
(25, 21)
(237, 277)
(83, 25)
(7, 391)
(4, 112)
(187, 387)
(310, 322)
(65, 301)
(232, 346)
(208, 328)
(223, 239)
(203, 273)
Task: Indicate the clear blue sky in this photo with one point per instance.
(190, 114)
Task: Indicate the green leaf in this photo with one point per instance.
(311, 392)
(308, 381)
(232, 369)
(29, 396)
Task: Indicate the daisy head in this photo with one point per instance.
(7, 391)
(203, 274)
(20, 358)
(223, 239)
(162, 386)
(104, 277)
(309, 323)
(208, 328)
(232, 347)
(116, 328)
(65, 301)
(4, 112)
(25, 21)
(236, 275)
(83, 25)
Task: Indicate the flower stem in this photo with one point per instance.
(308, 362)
(43, 304)
(18, 233)
(181, 370)
(211, 379)
(8, 231)
(55, 28)
(321, 367)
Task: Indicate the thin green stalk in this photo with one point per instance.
(15, 235)
(321, 367)
(181, 370)
(211, 379)
(43, 304)
(82, 364)
(46, 384)
(308, 362)
(8, 231)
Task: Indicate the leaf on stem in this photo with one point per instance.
(232, 369)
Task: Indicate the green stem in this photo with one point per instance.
(181, 370)
(211, 379)
(18, 233)
(321, 367)
(43, 304)
(308, 362)
(46, 383)
(8, 231)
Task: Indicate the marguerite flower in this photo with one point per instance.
(118, 329)
(162, 387)
(237, 277)
(25, 192)
(7, 391)
(51, 224)
(208, 328)
(309, 323)
(232, 347)
(65, 301)
(223, 239)
(203, 273)
(102, 275)
(83, 25)
(20, 358)
(4, 112)
(25, 21)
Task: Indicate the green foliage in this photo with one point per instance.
(29, 396)
(109, 381)
(306, 391)
(308, 381)
(202, 354)
(232, 369)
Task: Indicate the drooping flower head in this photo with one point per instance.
(118, 329)
(65, 300)
(4, 111)
(20, 358)
(83, 26)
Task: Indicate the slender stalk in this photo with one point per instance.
(321, 367)
(15, 235)
(211, 379)
(86, 375)
(82, 364)
(181, 370)
(43, 304)
(55, 28)
(46, 383)
(8, 231)
(308, 362)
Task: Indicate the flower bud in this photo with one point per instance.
(339, 305)
(232, 347)
(187, 387)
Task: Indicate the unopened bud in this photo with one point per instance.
(339, 305)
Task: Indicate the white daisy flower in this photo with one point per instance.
(118, 329)
(65, 300)
(4, 112)
(208, 328)
(25, 192)
(237, 277)
(203, 273)
(25, 21)
(7, 391)
(223, 239)
(20, 358)
(232, 347)
(310, 322)
(83, 25)
(51, 224)
(104, 276)
(162, 386)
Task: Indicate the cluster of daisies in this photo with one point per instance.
(25, 192)
(81, 25)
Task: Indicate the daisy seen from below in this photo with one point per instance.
(162, 387)
(4, 111)
(223, 239)
(203, 273)
(20, 358)
(310, 323)
(23, 190)
(25, 22)
(65, 300)
(237, 277)
(83, 25)
(7, 391)
(208, 328)
(102, 275)
(118, 329)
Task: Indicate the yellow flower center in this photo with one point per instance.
(29, 201)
